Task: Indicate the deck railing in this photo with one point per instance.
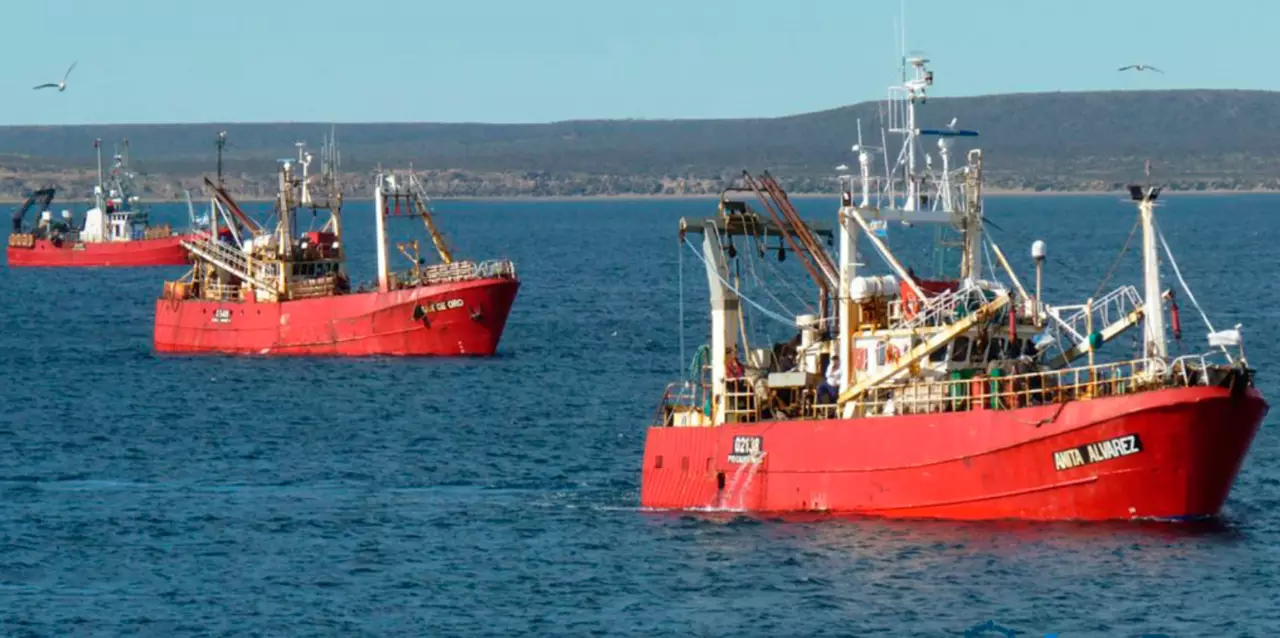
(221, 292)
(1007, 392)
(457, 271)
(1104, 311)
(977, 392)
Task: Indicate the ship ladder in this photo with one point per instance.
(228, 259)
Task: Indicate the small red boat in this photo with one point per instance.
(279, 292)
(115, 232)
(957, 398)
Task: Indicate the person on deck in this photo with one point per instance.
(732, 366)
(829, 389)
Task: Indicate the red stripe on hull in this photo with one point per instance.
(970, 465)
(356, 324)
(164, 251)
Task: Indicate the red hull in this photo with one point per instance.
(164, 251)
(468, 320)
(972, 465)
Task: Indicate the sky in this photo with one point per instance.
(161, 61)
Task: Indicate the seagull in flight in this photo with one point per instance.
(61, 86)
(1140, 67)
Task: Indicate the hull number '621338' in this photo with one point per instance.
(747, 449)
(222, 315)
(1097, 452)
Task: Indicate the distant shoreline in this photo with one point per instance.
(991, 192)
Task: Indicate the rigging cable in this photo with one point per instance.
(768, 313)
(782, 276)
(1187, 289)
(1133, 231)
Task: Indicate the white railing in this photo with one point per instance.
(221, 292)
(261, 275)
(458, 271)
(1190, 369)
(944, 308)
(1108, 309)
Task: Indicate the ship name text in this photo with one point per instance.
(1097, 452)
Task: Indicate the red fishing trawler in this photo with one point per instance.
(115, 232)
(956, 398)
(277, 291)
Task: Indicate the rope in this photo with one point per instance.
(763, 286)
(991, 267)
(1133, 231)
(699, 359)
(1046, 421)
(759, 282)
(768, 313)
(782, 276)
(1169, 253)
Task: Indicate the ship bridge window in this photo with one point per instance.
(960, 350)
(996, 349)
(938, 356)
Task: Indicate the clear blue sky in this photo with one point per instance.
(547, 60)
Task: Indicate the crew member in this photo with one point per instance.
(829, 389)
(732, 366)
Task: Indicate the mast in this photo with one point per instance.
(914, 89)
(304, 158)
(379, 216)
(971, 266)
(286, 219)
(725, 316)
(97, 191)
(329, 169)
(221, 143)
(1152, 300)
(849, 254)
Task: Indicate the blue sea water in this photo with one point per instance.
(171, 496)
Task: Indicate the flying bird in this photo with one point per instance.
(1140, 67)
(61, 86)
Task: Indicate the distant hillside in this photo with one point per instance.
(1198, 139)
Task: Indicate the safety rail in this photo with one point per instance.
(740, 401)
(457, 271)
(158, 232)
(261, 275)
(1190, 369)
(942, 309)
(56, 237)
(1106, 310)
(1000, 392)
(683, 404)
(221, 292)
(976, 392)
(324, 286)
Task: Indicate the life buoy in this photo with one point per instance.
(891, 353)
